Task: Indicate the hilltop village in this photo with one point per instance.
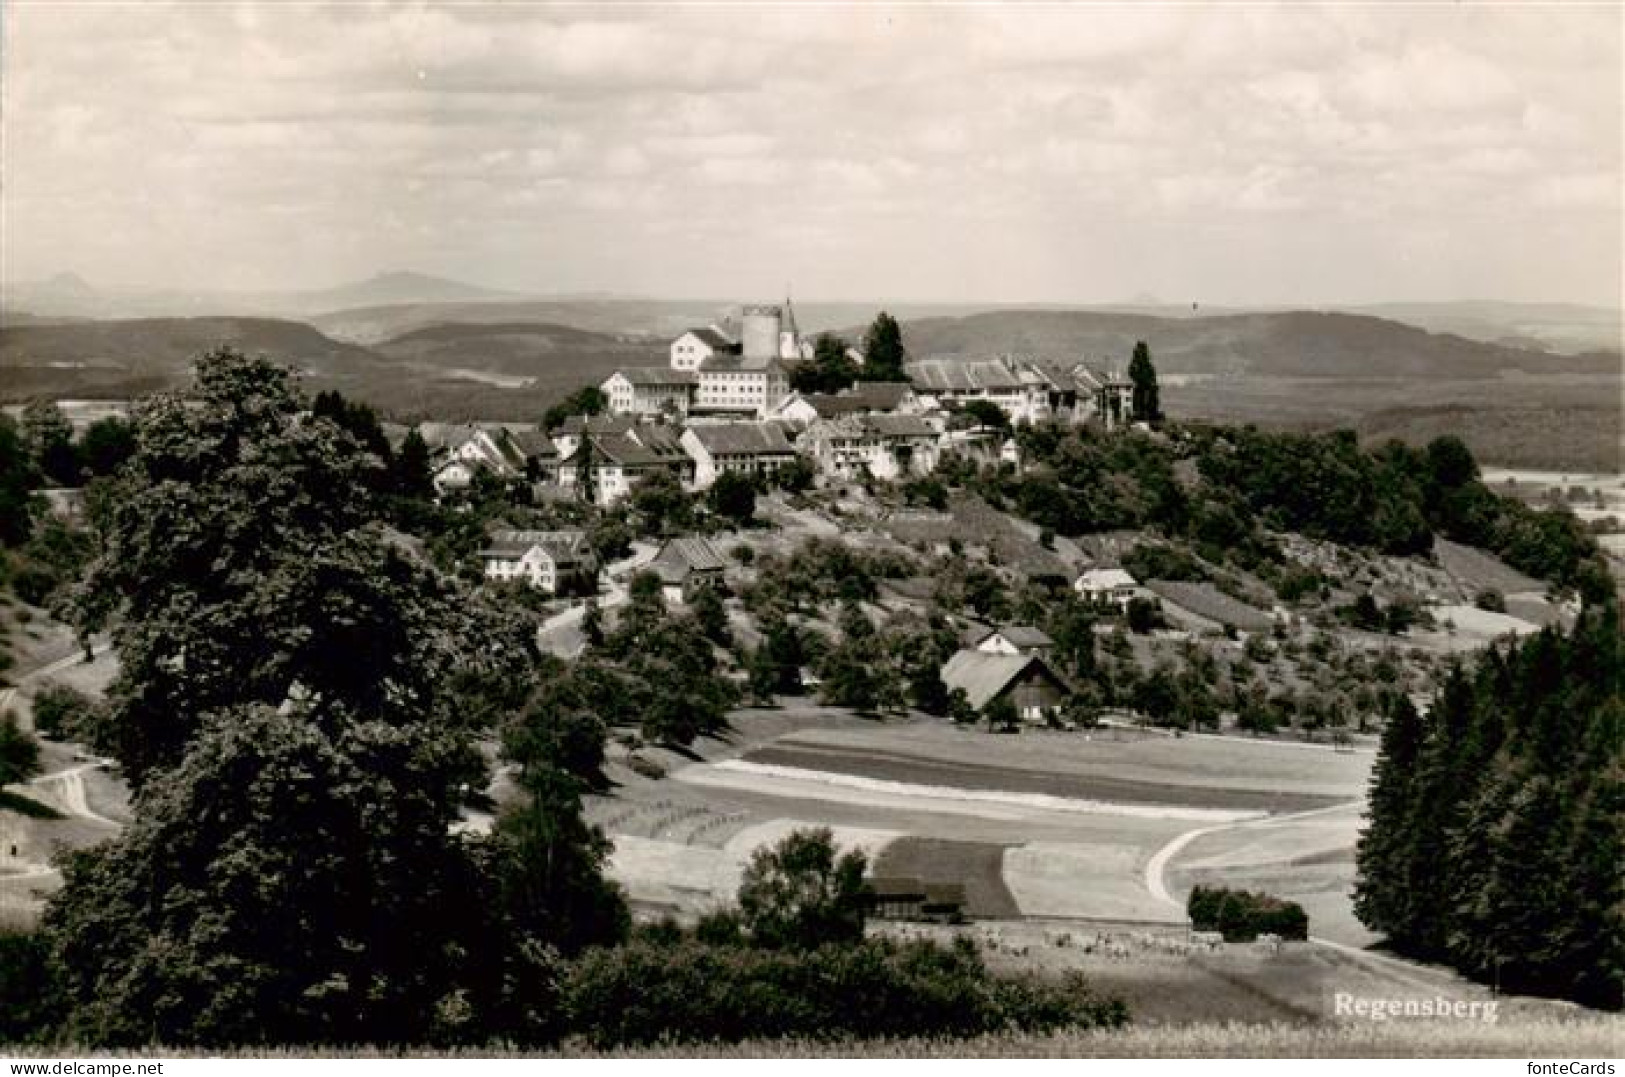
(726, 403)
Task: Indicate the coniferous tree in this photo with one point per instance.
(1147, 399)
(883, 351)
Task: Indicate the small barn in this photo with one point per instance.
(686, 565)
(1027, 680)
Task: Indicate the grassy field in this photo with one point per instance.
(1568, 1037)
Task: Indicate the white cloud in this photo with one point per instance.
(940, 149)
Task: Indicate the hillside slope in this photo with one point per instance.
(535, 350)
(126, 357)
(1296, 344)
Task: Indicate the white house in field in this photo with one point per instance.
(549, 561)
(752, 449)
(1107, 587)
(885, 446)
(650, 390)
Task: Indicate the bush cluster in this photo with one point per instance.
(1242, 915)
(651, 992)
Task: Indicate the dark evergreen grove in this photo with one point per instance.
(1497, 819)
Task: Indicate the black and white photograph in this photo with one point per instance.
(766, 530)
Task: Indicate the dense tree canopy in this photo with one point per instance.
(294, 711)
(883, 351)
(1497, 819)
(17, 480)
(831, 369)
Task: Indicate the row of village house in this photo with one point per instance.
(723, 403)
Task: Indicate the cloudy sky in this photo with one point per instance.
(1236, 154)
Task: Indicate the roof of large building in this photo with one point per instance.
(681, 556)
(598, 424)
(659, 438)
(627, 450)
(961, 375)
(562, 546)
(745, 363)
(655, 375)
(898, 426)
(1021, 636)
(742, 439)
(711, 336)
(982, 676)
(1101, 579)
(865, 396)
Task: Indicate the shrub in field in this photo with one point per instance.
(644, 993)
(1242, 915)
(64, 713)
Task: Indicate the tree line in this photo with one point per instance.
(1497, 818)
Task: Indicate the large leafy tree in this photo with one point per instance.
(804, 893)
(284, 711)
(106, 444)
(281, 886)
(50, 439)
(238, 564)
(831, 369)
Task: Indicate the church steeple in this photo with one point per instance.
(789, 333)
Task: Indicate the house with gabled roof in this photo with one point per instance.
(1022, 389)
(459, 453)
(685, 565)
(695, 346)
(751, 449)
(884, 446)
(1107, 586)
(1011, 640)
(1106, 396)
(614, 463)
(1027, 680)
(864, 398)
(650, 390)
(551, 561)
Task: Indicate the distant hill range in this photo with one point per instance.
(68, 294)
(510, 360)
(1295, 344)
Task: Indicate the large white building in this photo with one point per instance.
(885, 446)
(748, 378)
(752, 449)
(650, 390)
(550, 561)
(1023, 390)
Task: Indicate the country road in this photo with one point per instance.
(8, 696)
